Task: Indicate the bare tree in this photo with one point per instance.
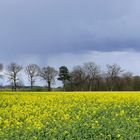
(13, 70)
(92, 73)
(136, 83)
(78, 79)
(48, 74)
(112, 76)
(127, 81)
(32, 71)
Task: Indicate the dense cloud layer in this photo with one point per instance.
(36, 30)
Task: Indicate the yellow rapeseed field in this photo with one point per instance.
(70, 116)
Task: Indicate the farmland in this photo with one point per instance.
(70, 115)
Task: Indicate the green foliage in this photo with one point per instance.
(63, 74)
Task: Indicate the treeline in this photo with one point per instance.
(86, 77)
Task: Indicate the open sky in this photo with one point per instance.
(70, 32)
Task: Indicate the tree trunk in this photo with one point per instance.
(49, 86)
(64, 85)
(15, 86)
(31, 84)
(15, 82)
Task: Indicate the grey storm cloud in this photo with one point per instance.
(54, 26)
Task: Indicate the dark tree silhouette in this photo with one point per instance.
(13, 70)
(48, 74)
(64, 75)
(32, 71)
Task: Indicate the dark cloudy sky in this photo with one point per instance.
(70, 32)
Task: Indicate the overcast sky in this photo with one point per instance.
(71, 32)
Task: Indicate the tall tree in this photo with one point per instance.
(136, 83)
(64, 75)
(13, 70)
(127, 81)
(32, 71)
(112, 76)
(48, 74)
(78, 79)
(92, 72)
